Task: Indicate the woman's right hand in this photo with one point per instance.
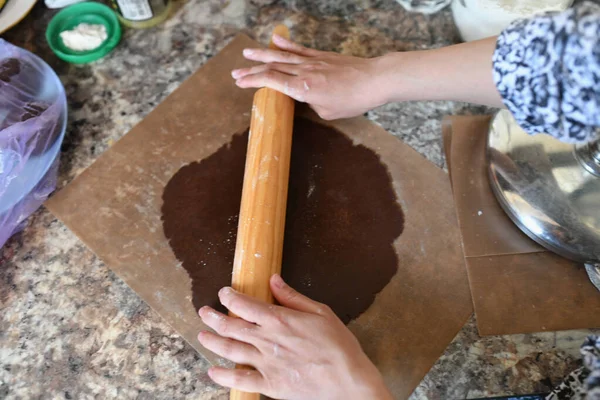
(334, 85)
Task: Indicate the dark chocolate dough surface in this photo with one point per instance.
(342, 219)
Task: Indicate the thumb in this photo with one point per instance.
(288, 297)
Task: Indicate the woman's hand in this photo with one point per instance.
(334, 85)
(338, 86)
(300, 350)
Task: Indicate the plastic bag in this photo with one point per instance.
(33, 114)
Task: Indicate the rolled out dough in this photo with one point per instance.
(342, 219)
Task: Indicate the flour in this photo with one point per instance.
(84, 37)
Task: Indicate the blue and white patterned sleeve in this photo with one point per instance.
(547, 70)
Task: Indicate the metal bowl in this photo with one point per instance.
(550, 189)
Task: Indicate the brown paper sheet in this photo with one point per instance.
(114, 208)
(517, 286)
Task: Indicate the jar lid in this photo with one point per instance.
(89, 13)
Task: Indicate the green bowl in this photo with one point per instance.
(70, 17)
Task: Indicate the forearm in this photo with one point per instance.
(461, 72)
(366, 382)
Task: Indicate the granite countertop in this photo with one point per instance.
(69, 328)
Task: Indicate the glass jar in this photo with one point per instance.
(424, 6)
(142, 13)
(478, 19)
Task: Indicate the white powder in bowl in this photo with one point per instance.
(84, 37)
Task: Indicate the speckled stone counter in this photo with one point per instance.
(70, 329)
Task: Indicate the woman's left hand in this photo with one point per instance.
(334, 85)
(299, 350)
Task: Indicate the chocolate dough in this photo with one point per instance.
(342, 219)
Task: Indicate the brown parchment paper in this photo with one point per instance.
(114, 208)
(517, 286)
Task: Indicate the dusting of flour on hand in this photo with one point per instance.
(84, 37)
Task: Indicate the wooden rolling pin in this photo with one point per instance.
(259, 245)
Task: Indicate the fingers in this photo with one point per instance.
(287, 84)
(246, 307)
(290, 69)
(233, 350)
(233, 328)
(245, 380)
(271, 56)
(288, 45)
(288, 297)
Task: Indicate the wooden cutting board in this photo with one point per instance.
(114, 208)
